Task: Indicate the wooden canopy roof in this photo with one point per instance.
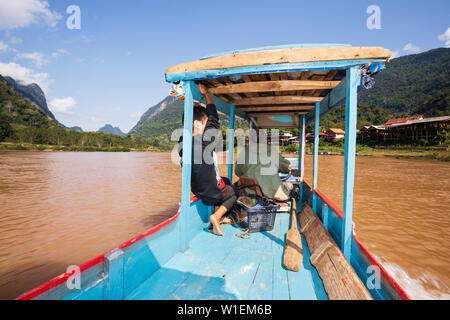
(273, 85)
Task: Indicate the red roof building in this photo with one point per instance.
(403, 120)
(310, 136)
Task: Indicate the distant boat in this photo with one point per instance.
(272, 87)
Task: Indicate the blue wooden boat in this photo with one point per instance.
(272, 87)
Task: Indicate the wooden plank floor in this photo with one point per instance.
(233, 268)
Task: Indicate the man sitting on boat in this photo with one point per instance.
(253, 162)
(206, 182)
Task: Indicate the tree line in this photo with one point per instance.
(58, 136)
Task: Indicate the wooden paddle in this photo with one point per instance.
(293, 253)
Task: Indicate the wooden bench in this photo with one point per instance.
(339, 278)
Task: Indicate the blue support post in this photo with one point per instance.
(187, 164)
(231, 144)
(316, 153)
(301, 154)
(114, 264)
(352, 82)
(302, 146)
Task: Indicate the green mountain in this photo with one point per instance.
(76, 129)
(159, 121)
(153, 111)
(410, 85)
(111, 130)
(24, 126)
(33, 93)
(19, 110)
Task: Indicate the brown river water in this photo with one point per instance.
(61, 209)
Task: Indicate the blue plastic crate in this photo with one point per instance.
(259, 218)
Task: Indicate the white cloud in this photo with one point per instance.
(15, 40)
(96, 119)
(395, 54)
(86, 38)
(64, 106)
(11, 38)
(136, 114)
(25, 75)
(59, 52)
(22, 13)
(3, 47)
(411, 48)
(37, 58)
(445, 37)
(407, 49)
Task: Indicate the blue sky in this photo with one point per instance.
(112, 69)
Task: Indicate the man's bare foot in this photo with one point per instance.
(216, 226)
(225, 220)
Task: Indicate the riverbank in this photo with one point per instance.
(8, 146)
(413, 153)
(362, 150)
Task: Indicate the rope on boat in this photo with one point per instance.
(244, 235)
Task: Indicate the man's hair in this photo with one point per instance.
(199, 114)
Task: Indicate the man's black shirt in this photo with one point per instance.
(204, 182)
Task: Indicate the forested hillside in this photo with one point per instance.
(25, 126)
(18, 112)
(33, 93)
(410, 85)
(161, 120)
